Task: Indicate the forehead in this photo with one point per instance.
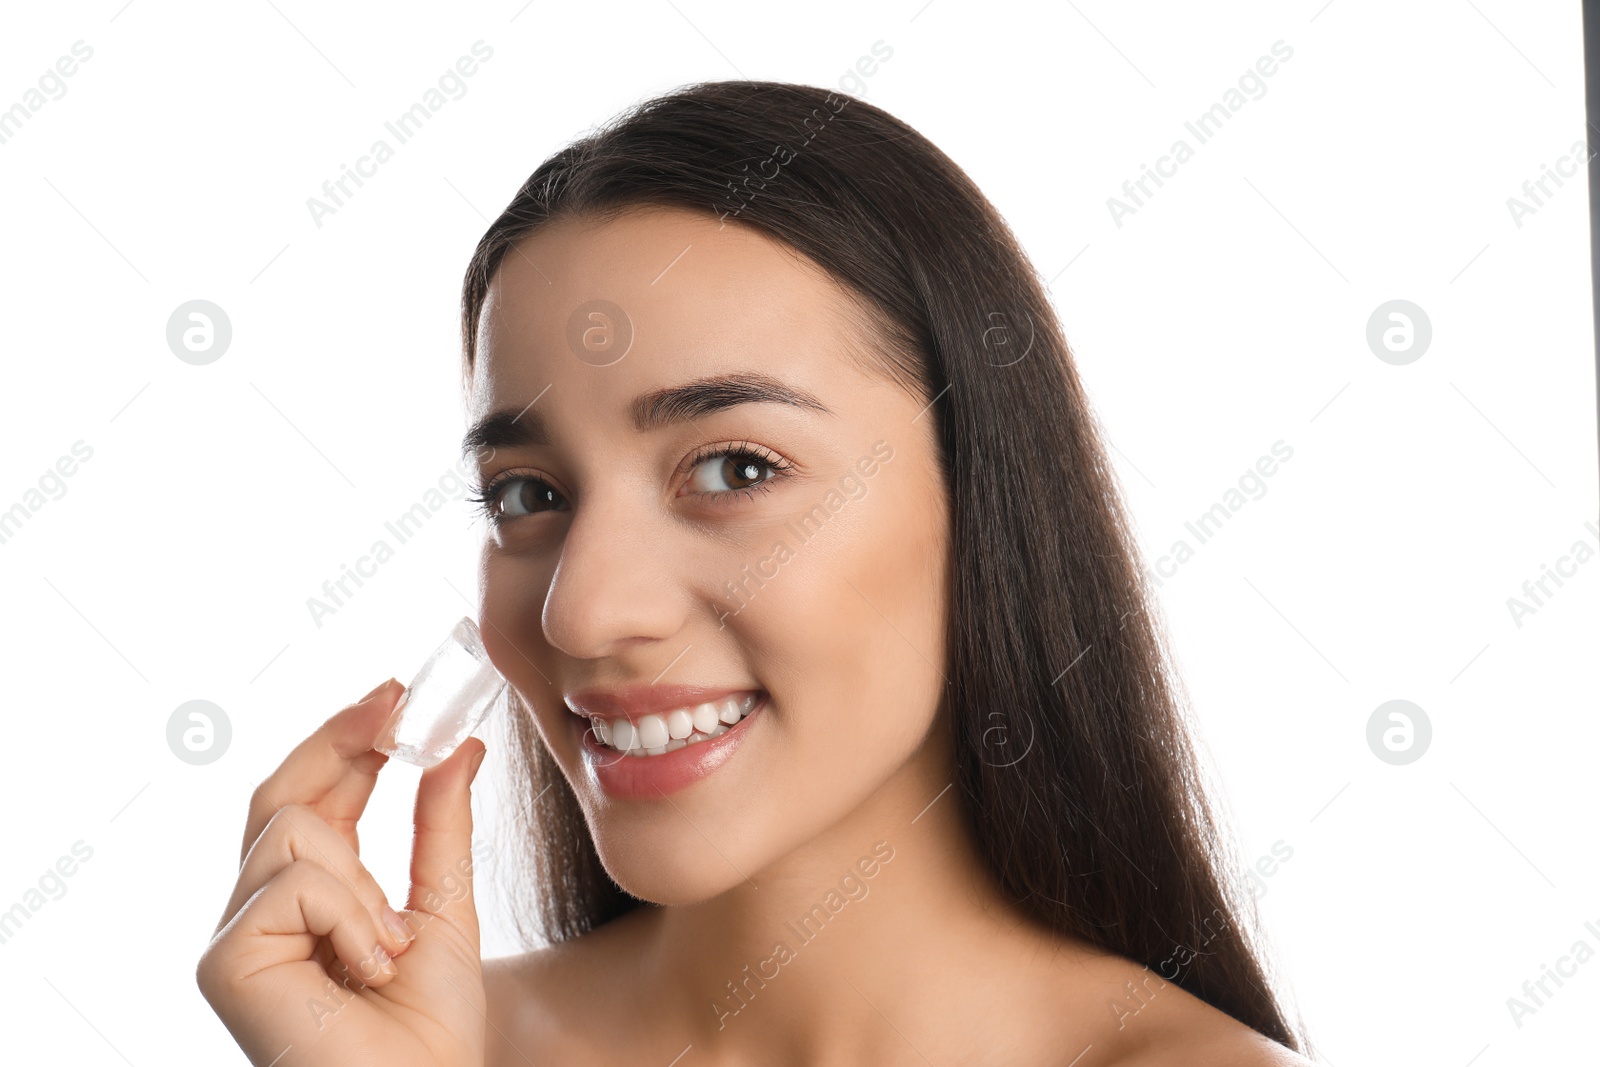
(600, 310)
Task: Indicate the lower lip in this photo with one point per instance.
(652, 777)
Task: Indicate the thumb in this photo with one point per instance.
(441, 847)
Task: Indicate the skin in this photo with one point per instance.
(298, 959)
(852, 749)
(615, 576)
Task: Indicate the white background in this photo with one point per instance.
(1227, 313)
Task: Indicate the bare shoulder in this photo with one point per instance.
(1146, 1021)
(541, 1003)
(1235, 1046)
(523, 1020)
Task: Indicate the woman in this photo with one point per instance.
(845, 733)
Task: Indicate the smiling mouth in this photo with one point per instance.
(655, 735)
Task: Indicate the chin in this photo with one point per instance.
(669, 869)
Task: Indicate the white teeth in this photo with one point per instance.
(705, 717)
(623, 735)
(654, 735)
(652, 732)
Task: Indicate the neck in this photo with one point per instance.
(767, 961)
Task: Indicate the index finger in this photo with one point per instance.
(333, 770)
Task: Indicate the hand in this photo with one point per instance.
(304, 968)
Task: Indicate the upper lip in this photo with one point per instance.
(633, 702)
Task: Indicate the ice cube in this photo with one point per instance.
(446, 701)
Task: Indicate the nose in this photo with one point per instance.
(612, 590)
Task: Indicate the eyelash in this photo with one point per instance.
(486, 496)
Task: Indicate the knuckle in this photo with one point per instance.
(302, 876)
(259, 808)
(261, 797)
(309, 880)
(291, 820)
(204, 973)
(294, 813)
(209, 973)
(263, 808)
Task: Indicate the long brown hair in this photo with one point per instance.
(1074, 766)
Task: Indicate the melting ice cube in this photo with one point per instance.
(445, 702)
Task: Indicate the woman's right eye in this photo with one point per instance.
(512, 497)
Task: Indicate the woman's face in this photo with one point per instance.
(659, 541)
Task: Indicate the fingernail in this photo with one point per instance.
(385, 961)
(376, 689)
(477, 762)
(396, 925)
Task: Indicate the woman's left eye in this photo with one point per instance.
(733, 470)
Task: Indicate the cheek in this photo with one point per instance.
(844, 632)
(511, 598)
(849, 634)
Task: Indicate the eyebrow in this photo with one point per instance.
(661, 407)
